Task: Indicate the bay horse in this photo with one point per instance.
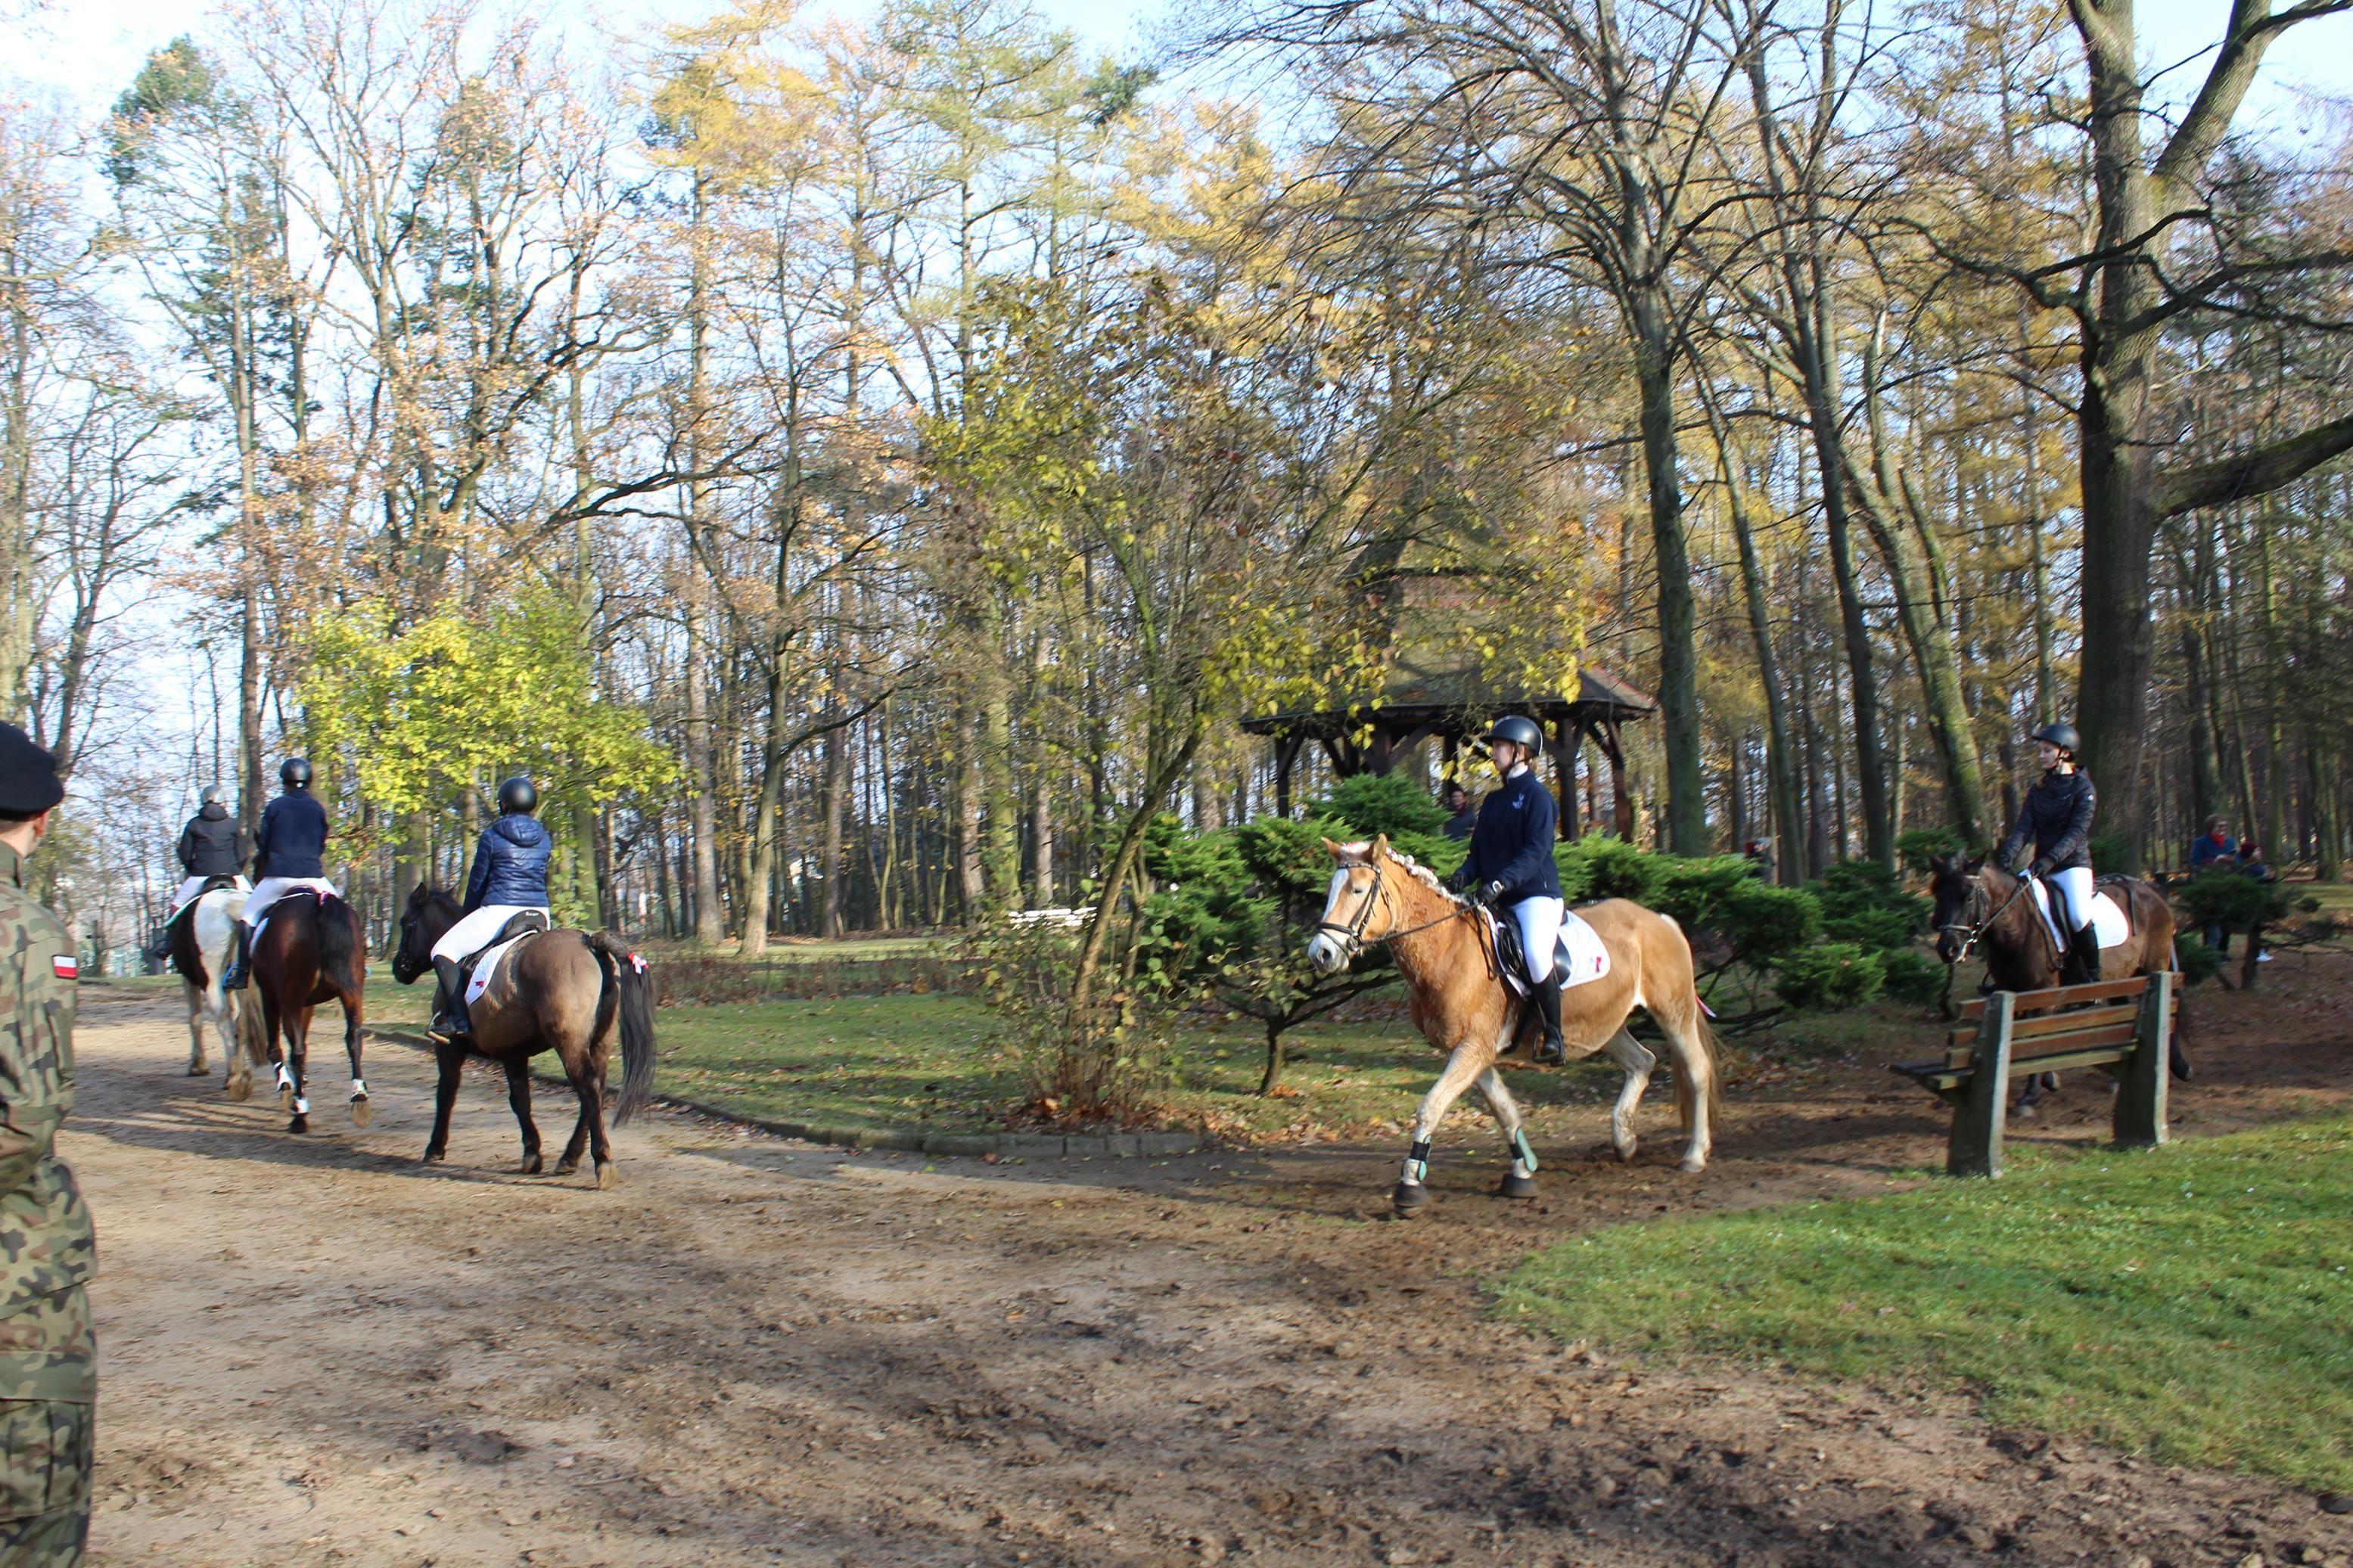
(564, 990)
(1458, 1000)
(1979, 905)
(312, 948)
(202, 936)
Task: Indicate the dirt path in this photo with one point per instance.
(754, 1350)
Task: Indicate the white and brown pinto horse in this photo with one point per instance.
(1458, 1000)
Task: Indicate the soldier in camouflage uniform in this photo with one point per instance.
(48, 1360)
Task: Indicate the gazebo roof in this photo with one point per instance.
(1440, 703)
(1435, 684)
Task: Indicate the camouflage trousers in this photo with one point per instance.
(45, 1459)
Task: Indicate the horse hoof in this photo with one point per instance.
(362, 1113)
(529, 1165)
(2021, 1112)
(285, 1097)
(605, 1175)
(298, 1124)
(198, 1070)
(239, 1089)
(1692, 1164)
(434, 1156)
(1516, 1185)
(1626, 1151)
(1409, 1196)
(566, 1167)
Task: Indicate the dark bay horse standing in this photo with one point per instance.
(561, 991)
(312, 948)
(1979, 905)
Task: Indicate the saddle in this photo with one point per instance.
(529, 922)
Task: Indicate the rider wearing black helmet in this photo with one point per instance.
(1511, 869)
(510, 876)
(2057, 815)
(290, 852)
(212, 844)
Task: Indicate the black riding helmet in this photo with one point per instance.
(294, 772)
(1521, 732)
(2061, 734)
(518, 796)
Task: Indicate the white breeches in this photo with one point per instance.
(1539, 921)
(269, 889)
(194, 885)
(2074, 890)
(473, 933)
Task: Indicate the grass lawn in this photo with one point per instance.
(2188, 1303)
(929, 1061)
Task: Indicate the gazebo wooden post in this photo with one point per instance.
(1453, 743)
(1564, 774)
(1622, 801)
(1378, 757)
(1286, 751)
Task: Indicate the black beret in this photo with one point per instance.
(28, 776)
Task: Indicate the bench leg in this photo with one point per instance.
(2142, 1085)
(1984, 1110)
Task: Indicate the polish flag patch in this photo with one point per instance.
(67, 968)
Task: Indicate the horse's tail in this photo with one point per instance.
(1704, 1042)
(628, 990)
(339, 943)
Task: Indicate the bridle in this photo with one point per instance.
(1351, 932)
(1975, 930)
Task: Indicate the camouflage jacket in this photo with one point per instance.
(47, 1246)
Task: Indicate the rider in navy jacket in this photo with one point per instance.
(1511, 847)
(293, 838)
(511, 864)
(2057, 815)
(1510, 866)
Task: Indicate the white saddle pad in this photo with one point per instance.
(2108, 922)
(1579, 956)
(486, 968)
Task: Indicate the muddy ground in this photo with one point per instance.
(316, 1351)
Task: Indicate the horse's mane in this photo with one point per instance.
(1360, 853)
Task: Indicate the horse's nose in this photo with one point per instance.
(1324, 954)
(1945, 946)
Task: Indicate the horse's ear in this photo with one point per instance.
(1940, 864)
(1338, 850)
(1380, 846)
(1977, 864)
(417, 895)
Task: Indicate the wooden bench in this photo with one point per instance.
(2123, 1026)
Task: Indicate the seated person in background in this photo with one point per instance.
(2214, 844)
(1461, 816)
(2215, 847)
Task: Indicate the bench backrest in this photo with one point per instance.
(2058, 1021)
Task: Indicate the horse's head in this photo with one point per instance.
(425, 920)
(1960, 893)
(1357, 910)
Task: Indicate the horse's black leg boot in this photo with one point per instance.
(452, 999)
(240, 953)
(1547, 1001)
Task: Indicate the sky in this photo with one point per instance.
(86, 50)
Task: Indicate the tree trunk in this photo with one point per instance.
(1679, 730)
(1784, 809)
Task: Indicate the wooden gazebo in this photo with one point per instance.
(1435, 688)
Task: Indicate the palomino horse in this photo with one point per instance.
(560, 989)
(1979, 905)
(312, 948)
(202, 935)
(1461, 1007)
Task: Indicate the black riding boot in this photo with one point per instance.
(2082, 964)
(1547, 1000)
(449, 1003)
(240, 953)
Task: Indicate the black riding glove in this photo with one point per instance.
(2041, 867)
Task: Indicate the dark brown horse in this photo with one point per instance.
(1981, 906)
(312, 948)
(561, 991)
